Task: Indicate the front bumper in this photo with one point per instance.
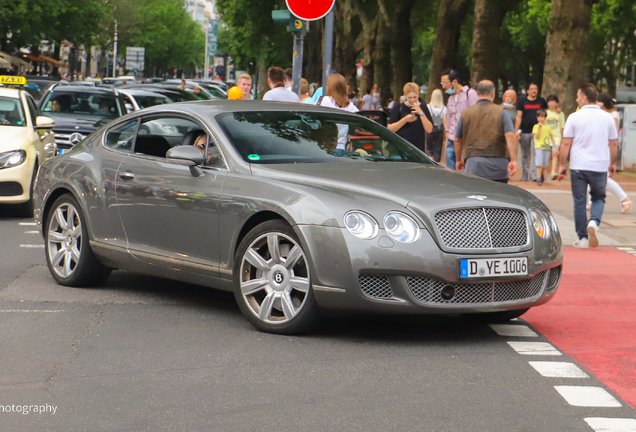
(15, 183)
(382, 275)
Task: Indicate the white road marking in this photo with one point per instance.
(28, 223)
(586, 396)
(625, 248)
(32, 232)
(534, 348)
(29, 310)
(558, 369)
(513, 330)
(601, 424)
(32, 246)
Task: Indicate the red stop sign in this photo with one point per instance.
(310, 10)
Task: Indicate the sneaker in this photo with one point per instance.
(539, 182)
(581, 243)
(553, 176)
(592, 231)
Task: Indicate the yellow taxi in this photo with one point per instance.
(26, 140)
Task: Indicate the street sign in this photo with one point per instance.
(135, 58)
(213, 34)
(310, 10)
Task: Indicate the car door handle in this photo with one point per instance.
(126, 176)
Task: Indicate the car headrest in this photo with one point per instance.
(189, 138)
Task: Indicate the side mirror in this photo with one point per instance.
(44, 122)
(189, 156)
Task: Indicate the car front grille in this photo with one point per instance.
(553, 278)
(68, 139)
(377, 287)
(482, 228)
(428, 290)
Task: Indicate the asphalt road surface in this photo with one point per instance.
(147, 354)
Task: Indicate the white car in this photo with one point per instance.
(26, 140)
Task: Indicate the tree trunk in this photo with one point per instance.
(345, 61)
(382, 60)
(369, 18)
(312, 57)
(450, 15)
(566, 46)
(489, 16)
(263, 87)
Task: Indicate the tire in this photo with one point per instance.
(26, 209)
(274, 296)
(497, 317)
(68, 252)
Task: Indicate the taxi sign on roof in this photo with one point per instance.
(12, 80)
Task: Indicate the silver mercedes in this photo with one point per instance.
(296, 209)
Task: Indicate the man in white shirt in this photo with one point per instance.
(591, 134)
(278, 92)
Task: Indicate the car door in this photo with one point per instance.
(43, 139)
(170, 216)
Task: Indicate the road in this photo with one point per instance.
(146, 354)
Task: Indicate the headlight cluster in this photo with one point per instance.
(400, 226)
(12, 158)
(541, 223)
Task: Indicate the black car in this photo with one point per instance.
(80, 110)
(172, 93)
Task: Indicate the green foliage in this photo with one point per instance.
(248, 33)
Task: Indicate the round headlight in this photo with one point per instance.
(540, 223)
(401, 227)
(361, 224)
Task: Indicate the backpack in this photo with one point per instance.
(438, 120)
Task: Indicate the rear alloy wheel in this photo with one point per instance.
(68, 253)
(273, 287)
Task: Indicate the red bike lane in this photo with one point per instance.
(593, 316)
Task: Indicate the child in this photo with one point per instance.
(543, 142)
(556, 120)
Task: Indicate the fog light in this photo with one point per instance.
(448, 292)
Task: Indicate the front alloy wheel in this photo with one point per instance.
(274, 289)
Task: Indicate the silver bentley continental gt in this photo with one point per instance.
(297, 209)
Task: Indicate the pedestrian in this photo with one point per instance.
(485, 143)
(461, 98)
(289, 79)
(527, 107)
(278, 92)
(591, 134)
(411, 119)
(606, 103)
(543, 144)
(556, 120)
(391, 103)
(375, 97)
(336, 97)
(304, 92)
(182, 86)
(509, 104)
(435, 139)
(245, 84)
(367, 100)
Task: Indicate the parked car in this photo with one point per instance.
(171, 92)
(273, 202)
(137, 99)
(26, 141)
(80, 110)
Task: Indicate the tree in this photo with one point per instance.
(489, 16)
(450, 17)
(367, 11)
(566, 46)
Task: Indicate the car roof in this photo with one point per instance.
(10, 92)
(84, 89)
(139, 92)
(213, 107)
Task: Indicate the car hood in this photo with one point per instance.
(12, 137)
(85, 122)
(423, 188)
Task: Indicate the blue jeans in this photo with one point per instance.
(597, 182)
(450, 154)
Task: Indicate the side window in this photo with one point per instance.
(214, 157)
(121, 137)
(32, 109)
(158, 135)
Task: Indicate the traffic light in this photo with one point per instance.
(293, 24)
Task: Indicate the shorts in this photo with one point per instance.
(542, 157)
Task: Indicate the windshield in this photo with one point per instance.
(293, 137)
(148, 101)
(64, 102)
(11, 113)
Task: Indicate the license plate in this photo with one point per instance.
(61, 151)
(493, 267)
